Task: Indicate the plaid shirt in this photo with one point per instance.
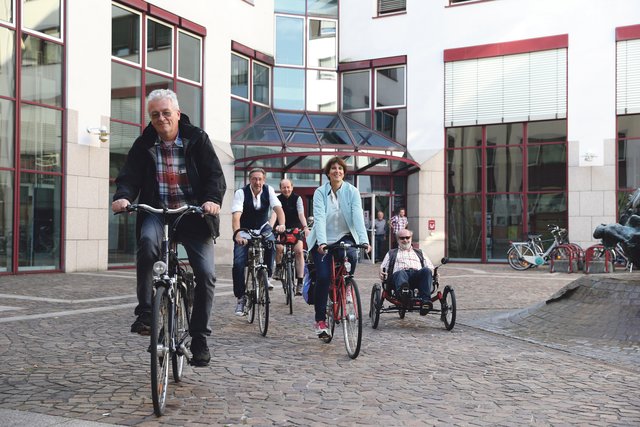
(173, 182)
(398, 223)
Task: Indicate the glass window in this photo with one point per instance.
(6, 220)
(288, 89)
(391, 6)
(392, 123)
(120, 141)
(464, 137)
(43, 16)
(41, 78)
(6, 10)
(547, 167)
(39, 222)
(390, 87)
(504, 223)
(322, 92)
(159, 46)
(240, 76)
(363, 117)
(464, 223)
(7, 59)
(547, 131)
(629, 126)
(464, 169)
(322, 7)
(289, 40)
(239, 115)
(290, 6)
(189, 60)
(126, 92)
(629, 151)
(6, 133)
(545, 209)
(261, 84)
(507, 134)
(190, 99)
(40, 138)
(356, 90)
(125, 34)
(321, 48)
(504, 170)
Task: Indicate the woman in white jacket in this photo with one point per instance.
(338, 217)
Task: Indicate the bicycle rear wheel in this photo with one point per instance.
(184, 307)
(351, 317)
(289, 275)
(159, 348)
(262, 302)
(448, 308)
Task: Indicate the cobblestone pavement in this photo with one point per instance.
(66, 351)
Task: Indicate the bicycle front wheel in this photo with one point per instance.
(351, 317)
(289, 274)
(184, 307)
(262, 302)
(159, 349)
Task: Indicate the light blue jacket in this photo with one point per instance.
(350, 206)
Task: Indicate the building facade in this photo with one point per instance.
(486, 119)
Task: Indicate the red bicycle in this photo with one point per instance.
(343, 304)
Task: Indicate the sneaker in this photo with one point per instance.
(269, 284)
(322, 329)
(142, 325)
(426, 307)
(200, 351)
(240, 306)
(277, 275)
(298, 289)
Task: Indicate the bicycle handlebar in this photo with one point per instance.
(343, 245)
(146, 208)
(250, 232)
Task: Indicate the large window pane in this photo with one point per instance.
(629, 163)
(363, 117)
(41, 78)
(504, 170)
(464, 227)
(120, 141)
(288, 89)
(548, 131)
(261, 84)
(323, 7)
(390, 87)
(507, 134)
(356, 90)
(39, 243)
(464, 168)
(504, 223)
(126, 92)
(43, 16)
(189, 57)
(125, 34)
(545, 209)
(239, 115)
(392, 123)
(159, 46)
(40, 138)
(6, 220)
(464, 137)
(289, 40)
(7, 62)
(6, 132)
(629, 126)
(190, 98)
(240, 76)
(547, 167)
(290, 6)
(122, 237)
(321, 48)
(322, 92)
(6, 10)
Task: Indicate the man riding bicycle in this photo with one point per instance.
(172, 164)
(294, 218)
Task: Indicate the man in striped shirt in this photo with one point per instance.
(408, 268)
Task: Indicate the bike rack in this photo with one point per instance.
(566, 257)
(591, 260)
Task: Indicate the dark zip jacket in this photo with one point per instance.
(137, 178)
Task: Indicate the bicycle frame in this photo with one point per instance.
(540, 257)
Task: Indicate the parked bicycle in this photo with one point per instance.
(343, 304)
(288, 239)
(530, 254)
(257, 286)
(172, 305)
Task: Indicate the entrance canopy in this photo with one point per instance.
(301, 142)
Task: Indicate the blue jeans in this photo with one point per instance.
(420, 279)
(199, 247)
(323, 265)
(240, 258)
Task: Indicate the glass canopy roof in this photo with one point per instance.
(302, 142)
